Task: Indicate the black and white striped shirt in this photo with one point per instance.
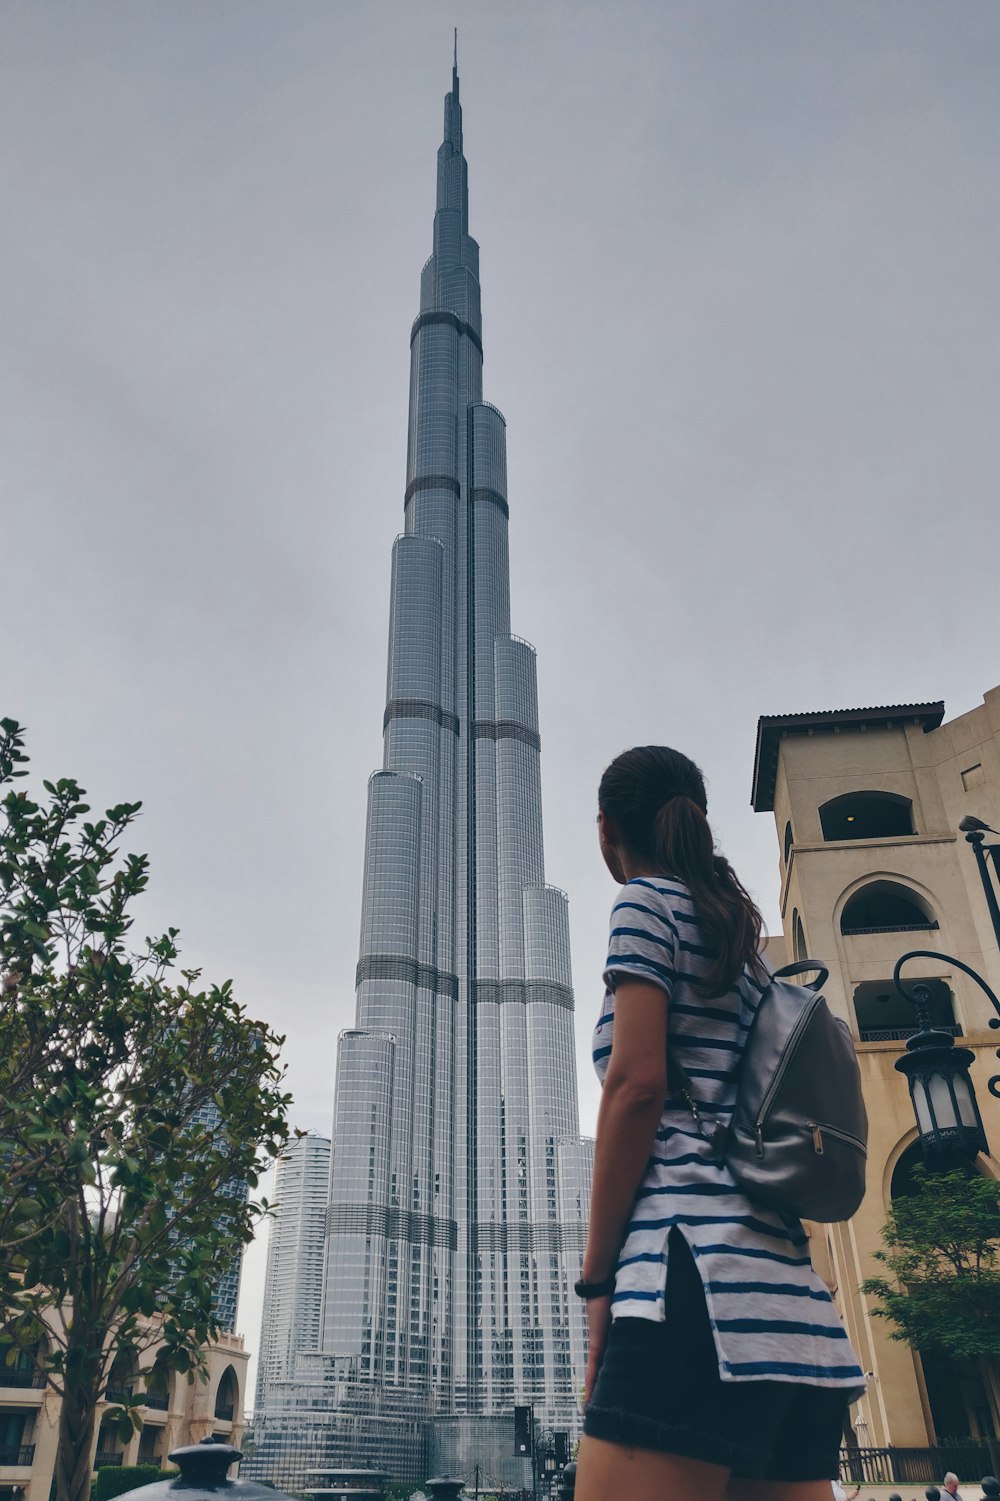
(771, 1315)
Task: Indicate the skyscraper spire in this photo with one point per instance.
(453, 109)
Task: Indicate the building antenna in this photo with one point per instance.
(455, 63)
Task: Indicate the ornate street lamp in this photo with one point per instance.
(941, 1091)
(975, 832)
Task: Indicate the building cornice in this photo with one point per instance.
(772, 729)
(814, 847)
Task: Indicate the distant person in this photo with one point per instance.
(717, 1362)
(951, 1485)
(840, 1494)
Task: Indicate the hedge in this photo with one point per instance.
(114, 1480)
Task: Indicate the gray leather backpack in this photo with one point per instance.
(798, 1139)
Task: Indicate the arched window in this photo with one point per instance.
(227, 1395)
(883, 1015)
(799, 950)
(867, 815)
(788, 841)
(885, 907)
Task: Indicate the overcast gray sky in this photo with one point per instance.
(740, 294)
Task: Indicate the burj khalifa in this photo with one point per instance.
(459, 1184)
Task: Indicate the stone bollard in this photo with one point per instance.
(990, 1486)
(204, 1477)
(567, 1483)
(932, 1493)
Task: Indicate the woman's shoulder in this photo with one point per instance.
(660, 892)
(646, 900)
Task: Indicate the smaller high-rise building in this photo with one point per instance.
(293, 1284)
(226, 1298)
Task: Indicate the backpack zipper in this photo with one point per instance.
(844, 1136)
(790, 1049)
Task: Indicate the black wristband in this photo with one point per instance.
(589, 1290)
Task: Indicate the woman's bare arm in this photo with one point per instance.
(631, 1105)
(635, 1086)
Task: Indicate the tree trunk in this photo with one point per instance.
(77, 1419)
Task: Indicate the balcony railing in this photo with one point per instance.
(117, 1393)
(900, 1034)
(18, 1455)
(104, 1459)
(225, 1410)
(159, 1401)
(11, 1376)
(900, 927)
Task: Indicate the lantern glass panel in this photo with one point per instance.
(942, 1102)
(925, 1124)
(966, 1101)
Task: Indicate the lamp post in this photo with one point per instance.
(975, 832)
(941, 1090)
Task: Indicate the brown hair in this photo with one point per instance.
(655, 799)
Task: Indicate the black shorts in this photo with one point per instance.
(659, 1388)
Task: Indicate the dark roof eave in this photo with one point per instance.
(771, 728)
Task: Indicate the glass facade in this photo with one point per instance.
(458, 1183)
(293, 1281)
(226, 1297)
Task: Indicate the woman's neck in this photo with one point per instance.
(633, 867)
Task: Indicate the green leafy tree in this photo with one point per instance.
(942, 1248)
(132, 1099)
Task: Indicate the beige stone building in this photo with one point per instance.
(867, 804)
(188, 1412)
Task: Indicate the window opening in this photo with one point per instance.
(883, 1015)
(867, 815)
(885, 907)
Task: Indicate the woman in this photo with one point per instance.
(717, 1361)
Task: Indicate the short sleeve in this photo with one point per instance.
(643, 938)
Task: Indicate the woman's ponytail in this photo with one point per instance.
(655, 798)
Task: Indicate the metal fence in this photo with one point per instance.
(901, 1034)
(968, 1458)
(28, 1379)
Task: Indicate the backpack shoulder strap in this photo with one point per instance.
(679, 1082)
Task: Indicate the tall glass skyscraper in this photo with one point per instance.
(459, 1186)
